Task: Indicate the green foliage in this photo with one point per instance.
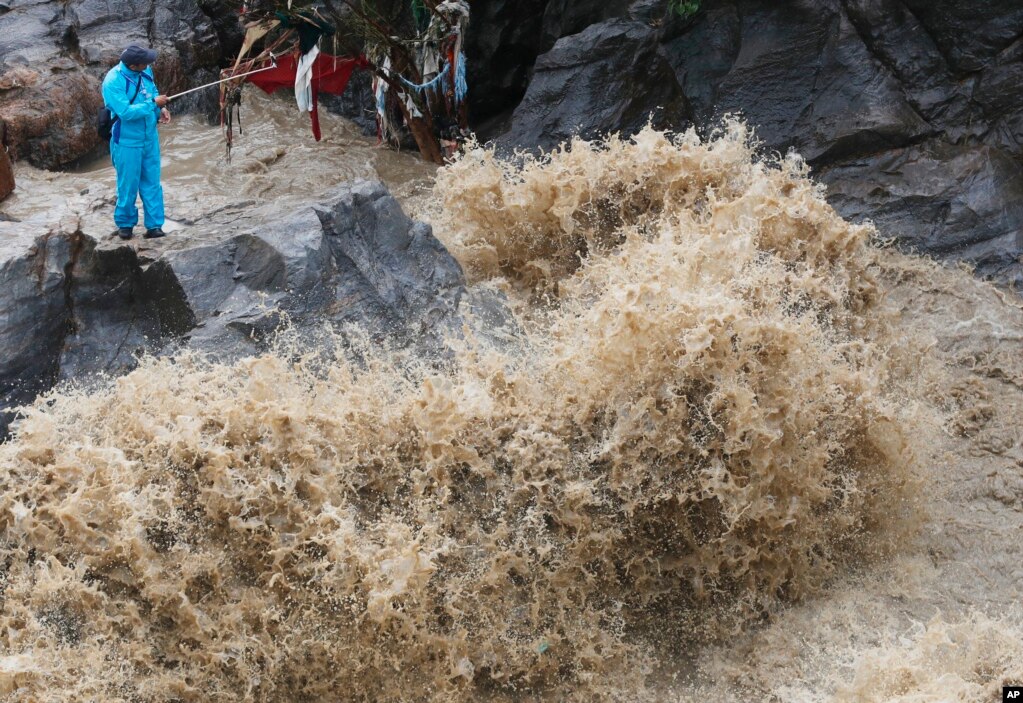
(683, 8)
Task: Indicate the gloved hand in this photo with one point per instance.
(165, 116)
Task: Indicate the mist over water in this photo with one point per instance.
(710, 418)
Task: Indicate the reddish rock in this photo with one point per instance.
(18, 77)
(53, 122)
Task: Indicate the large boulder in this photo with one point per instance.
(704, 54)
(53, 56)
(999, 93)
(893, 34)
(803, 77)
(355, 260)
(611, 77)
(76, 304)
(33, 313)
(970, 34)
(51, 118)
(564, 18)
(505, 39)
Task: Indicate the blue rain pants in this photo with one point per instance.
(138, 173)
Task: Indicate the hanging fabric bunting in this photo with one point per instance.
(385, 130)
(329, 74)
(461, 85)
(304, 80)
(442, 82)
(439, 89)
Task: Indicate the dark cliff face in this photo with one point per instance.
(611, 73)
(911, 111)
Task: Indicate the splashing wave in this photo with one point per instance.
(712, 415)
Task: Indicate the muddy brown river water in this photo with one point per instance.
(747, 456)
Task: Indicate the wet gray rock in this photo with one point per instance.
(78, 304)
(564, 18)
(804, 78)
(891, 32)
(969, 34)
(610, 77)
(356, 260)
(34, 321)
(25, 33)
(356, 103)
(507, 38)
(951, 201)
(224, 18)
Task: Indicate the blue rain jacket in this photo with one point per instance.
(136, 123)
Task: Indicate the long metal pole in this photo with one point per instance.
(273, 64)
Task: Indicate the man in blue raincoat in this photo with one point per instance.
(130, 92)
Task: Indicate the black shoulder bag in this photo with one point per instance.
(105, 119)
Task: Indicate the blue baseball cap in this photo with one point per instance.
(135, 55)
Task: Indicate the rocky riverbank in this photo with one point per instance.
(53, 56)
(79, 302)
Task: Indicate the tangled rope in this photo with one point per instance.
(231, 91)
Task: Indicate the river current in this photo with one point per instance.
(741, 451)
